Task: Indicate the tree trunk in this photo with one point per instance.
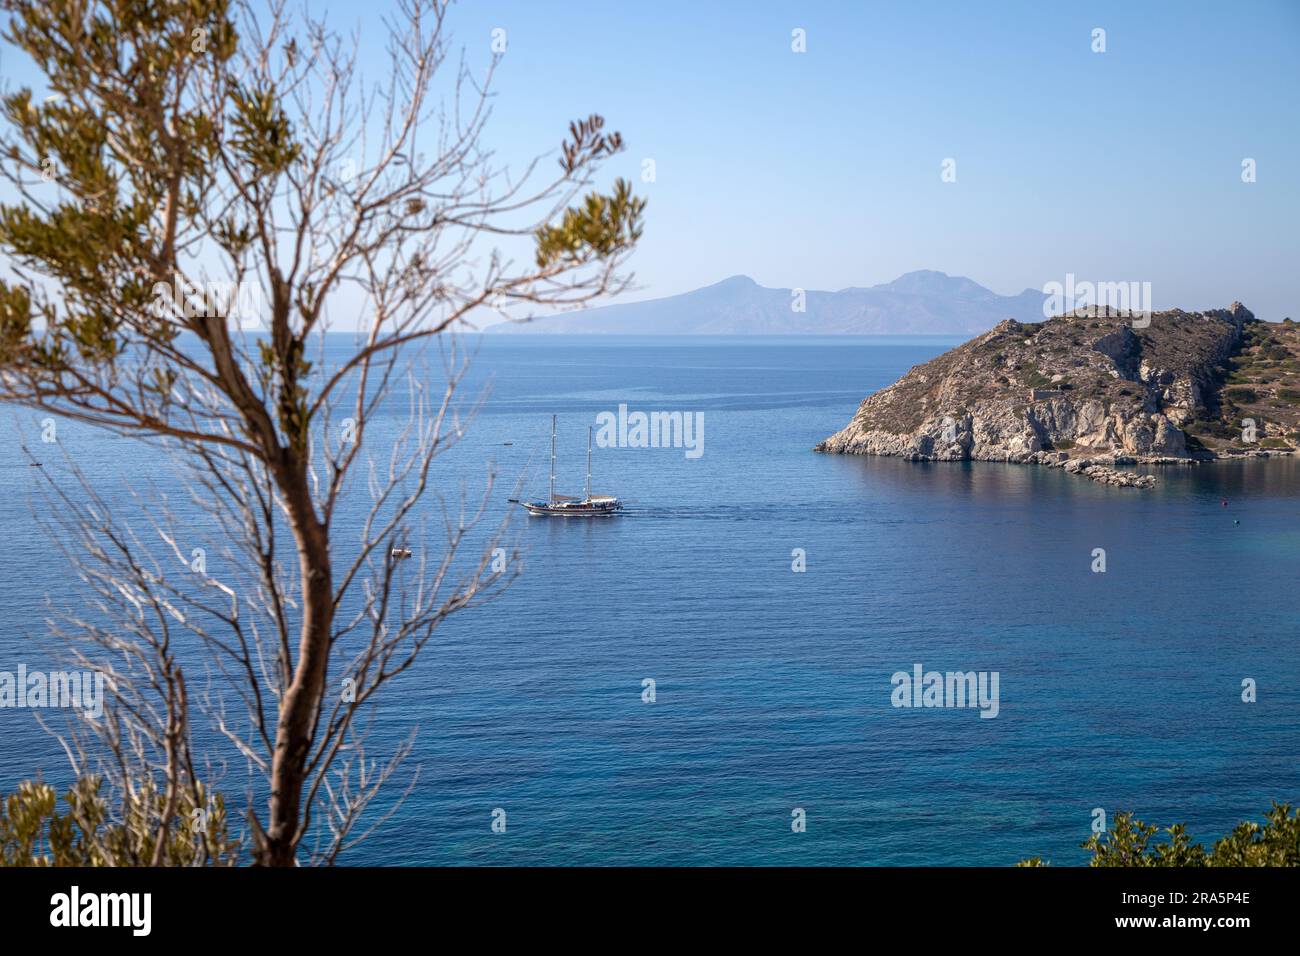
(300, 706)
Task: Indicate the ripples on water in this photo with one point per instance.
(1118, 690)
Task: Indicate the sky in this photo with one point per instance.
(823, 169)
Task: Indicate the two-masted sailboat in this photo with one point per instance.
(589, 506)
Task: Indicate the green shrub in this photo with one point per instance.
(1129, 843)
(34, 833)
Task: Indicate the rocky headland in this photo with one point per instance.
(1095, 395)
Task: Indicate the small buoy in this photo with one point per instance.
(1236, 521)
(1225, 502)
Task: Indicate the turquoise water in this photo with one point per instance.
(1119, 690)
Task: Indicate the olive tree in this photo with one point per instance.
(198, 185)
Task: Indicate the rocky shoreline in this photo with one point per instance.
(1104, 470)
(1096, 395)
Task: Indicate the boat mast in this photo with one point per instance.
(588, 462)
(551, 500)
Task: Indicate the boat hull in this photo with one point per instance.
(576, 509)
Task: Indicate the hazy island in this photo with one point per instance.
(925, 302)
(1091, 392)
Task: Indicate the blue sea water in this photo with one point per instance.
(1119, 690)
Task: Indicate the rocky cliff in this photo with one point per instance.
(1090, 392)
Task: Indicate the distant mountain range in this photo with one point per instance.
(918, 303)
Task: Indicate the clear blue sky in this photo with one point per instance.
(822, 169)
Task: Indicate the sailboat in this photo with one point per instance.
(589, 506)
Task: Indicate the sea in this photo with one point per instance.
(712, 677)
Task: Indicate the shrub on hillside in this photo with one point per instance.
(1130, 843)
